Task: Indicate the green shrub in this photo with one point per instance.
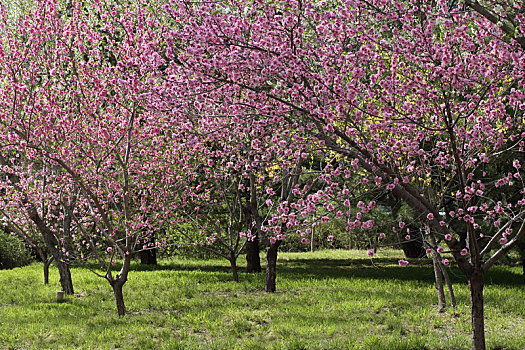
(13, 252)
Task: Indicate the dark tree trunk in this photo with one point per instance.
(52, 246)
(476, 305)
(523, 265)
(65, 277)
(119, 297)
(413, 248)
(521, 248)
(271, 266)
(233, 263)
(253, 260)
(449, 286)
(148, 257)
(439, 283)
(47, 262)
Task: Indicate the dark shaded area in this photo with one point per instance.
(253, 260)
(148, 256)
(322, 269)
(413, 248)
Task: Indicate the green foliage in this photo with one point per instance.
(325, 300)
(180, 246)
(13, 252)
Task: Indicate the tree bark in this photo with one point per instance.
(119, 296)
(271, 266)
(521, 248)
(52, 245)
(523, 266)
(253, 260)
(47, 262)
(148, 256)
(477, 316)
(439, 283)
(414, 248)
(449, 286)
(233, 263)
(65, 277)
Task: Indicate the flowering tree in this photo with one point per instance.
(244, 185)
(73, 98)
(419, 96)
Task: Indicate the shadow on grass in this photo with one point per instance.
(323, 269)
(211, 266)
(386, 268)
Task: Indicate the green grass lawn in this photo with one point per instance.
(325, 300)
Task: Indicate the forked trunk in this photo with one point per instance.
(119, 297)
(65, 277)
(476, 305)
(271, 266)
(118, 282)
(253, 260)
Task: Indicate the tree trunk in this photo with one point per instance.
(413, 248)
(449, 286)
(148, 256)
(119, 297)
(52, 246)
(476, 305)
(523, 266)
(521, 248)
(47, 262)
(253, 260)
(439, 283)
(233, 263)
(271, 266)
(65, 277)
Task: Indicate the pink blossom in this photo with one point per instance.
(430, 216)
(330, 238)
(448, 237)
(463, 251)
(440, 250)
(402, 262)
(445, 262)
(370, 252)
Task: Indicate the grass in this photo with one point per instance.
(325, 300)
